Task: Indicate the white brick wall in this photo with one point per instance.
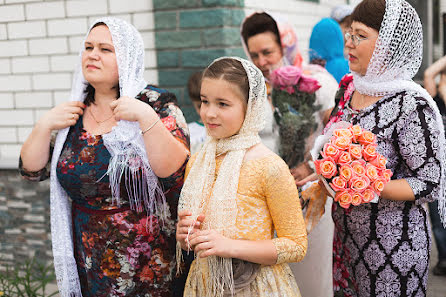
(39, 46)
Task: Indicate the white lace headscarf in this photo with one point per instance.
(219, 199)
(395, 61)
(127, 150)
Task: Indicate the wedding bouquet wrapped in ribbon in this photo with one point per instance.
(349, 165)
(293, 97)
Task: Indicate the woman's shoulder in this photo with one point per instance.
(154, 95)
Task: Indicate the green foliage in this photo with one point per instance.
(29, 279)
(294, 114)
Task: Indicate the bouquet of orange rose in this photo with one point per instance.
(349, 165)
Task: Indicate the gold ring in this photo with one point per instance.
(73, 116)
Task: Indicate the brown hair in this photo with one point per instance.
(260, 23)
(370, 13)
(194, 85)
(231, 71)
(89, 89)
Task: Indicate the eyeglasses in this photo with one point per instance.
(355, 38)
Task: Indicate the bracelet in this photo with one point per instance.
(150, 127)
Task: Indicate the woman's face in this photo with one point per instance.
(223, 107)
(99, 64)
(359, 55)
(265, 51)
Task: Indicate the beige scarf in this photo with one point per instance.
(222, 205)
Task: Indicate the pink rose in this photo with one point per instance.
(308, 84)
(338, 184)
(386, 174)
(380, 161)
(286, 77)
(330, 151)
(378, 185)
(359, 183)
(344, 158)
(346, 172)
(357, 198)
(343, 132)
(356, 131)
(343, 197)
(355, 151)
(369, 152)
(341, 142)
(326, 167)
(371, 172)
(358, 167)
(368, 195)
(366, 137)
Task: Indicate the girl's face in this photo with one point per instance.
(223, 107)
(99, 64)
(359, 55)
(265, 51)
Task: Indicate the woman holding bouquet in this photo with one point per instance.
(382, 249)
(271, 43)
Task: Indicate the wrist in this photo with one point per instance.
(43, 127)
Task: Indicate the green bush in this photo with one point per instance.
(28, 279)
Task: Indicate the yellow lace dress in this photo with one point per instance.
(267, 200)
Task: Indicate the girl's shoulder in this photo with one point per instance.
(265, 160)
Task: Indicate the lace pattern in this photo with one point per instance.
(126, 147)
(200, 182)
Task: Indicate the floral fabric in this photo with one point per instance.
(383, 249)
(119, 252)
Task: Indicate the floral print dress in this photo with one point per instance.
(382, 249)
(118, 251)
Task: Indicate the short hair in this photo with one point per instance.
(370, 13)
(194, 86)
(230, 70)
(260, 23)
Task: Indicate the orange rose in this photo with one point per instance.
(366, 137)
(358, 167)
(355, 151)
(357, 199)
(359, 183)
(341, 142)
(371, 172)
(356, 131)
(346, 172)
(368, 195)
(344, 158)
(369, 152)
(326, 167)
(330, 151)
(338, 184)
(386, 174)
(343, 197)
(378, 185)
(343, 133)
(380, 161)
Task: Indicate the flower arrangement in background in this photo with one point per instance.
(293, 97)
(352, 170)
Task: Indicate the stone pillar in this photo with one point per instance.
(189, 35)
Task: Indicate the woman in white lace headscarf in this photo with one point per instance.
(383, 249)
(237, 192)
(116, 170)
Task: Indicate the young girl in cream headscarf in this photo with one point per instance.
(237, 192)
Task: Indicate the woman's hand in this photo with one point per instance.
(131, 109)
(301, 171)
(184, 223)
(211, 243)
(302, 182)
(62, 116)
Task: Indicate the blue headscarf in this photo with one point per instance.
(327, 43)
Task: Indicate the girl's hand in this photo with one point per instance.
(62, 116)
(131, 109)
(184, 223)
(211, 243)
(311, 177)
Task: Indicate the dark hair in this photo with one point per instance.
(89, 89)
(231, 71)
(370, 13)
(194, 85)
(260, 23)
